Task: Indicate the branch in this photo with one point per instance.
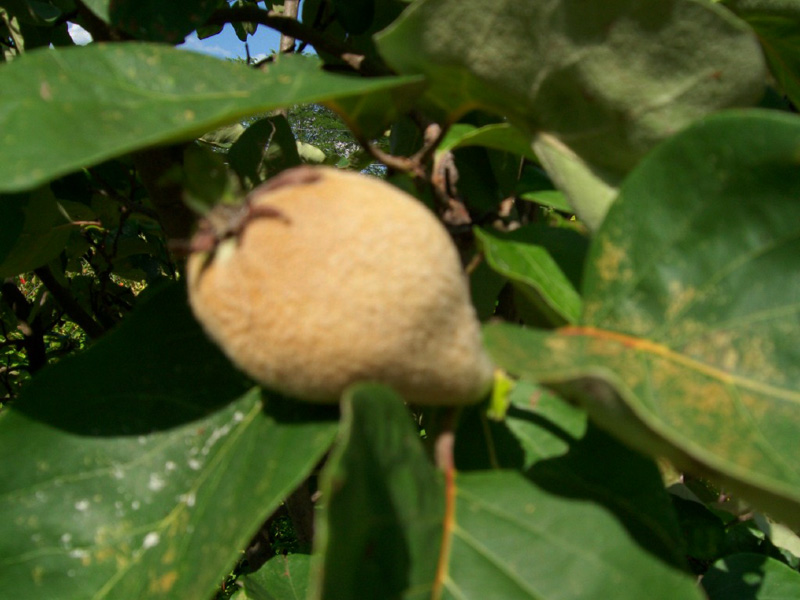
(405, 164)
(416, 164)
(290, 11)
(295, 29)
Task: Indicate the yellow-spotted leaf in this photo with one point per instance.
(688, 345)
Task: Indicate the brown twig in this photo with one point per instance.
(416, 164)
(443, 453)
(404, 164)
(474, 263)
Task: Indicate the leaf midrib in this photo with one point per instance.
(664, 352)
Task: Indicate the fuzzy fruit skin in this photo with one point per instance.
(359, 282)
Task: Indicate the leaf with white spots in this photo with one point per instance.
(142, 467)
(70, 108)
(688, 341)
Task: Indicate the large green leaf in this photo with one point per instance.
(380, 532)
(688, 340)
(568, 68)
(154, 20)
(61, 110)
(33, 231)
(602, 82)
(580, 515)
(141, 468)
(751, 577)
(515, 538)
(777, 23)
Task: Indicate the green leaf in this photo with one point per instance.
(743, 537)
(779, 535)
(207, 31)
(499, 136)
(518, 429)
(355, 15)
(153, 20)
(581, 84)
(337, 17)
(531, 407)
(142, 467)
(550, 198)
(269, 139)
(224, 137)
(531, 267)
(605, 81)
(589, 189)
(281, 578)
(70, 108)
(34, 231)
(534, 185)
(485, 285)
(703, 531)
(515, 539)
(310, 154)
(384, 504)
(33, 12)
(205, 178)
(777, 23)
(688, 341)
(586, 511)
(751, 576)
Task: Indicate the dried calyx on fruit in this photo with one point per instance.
(325, 278)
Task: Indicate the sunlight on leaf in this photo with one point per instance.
(141, 468)
(140, 95)
(688, 341)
